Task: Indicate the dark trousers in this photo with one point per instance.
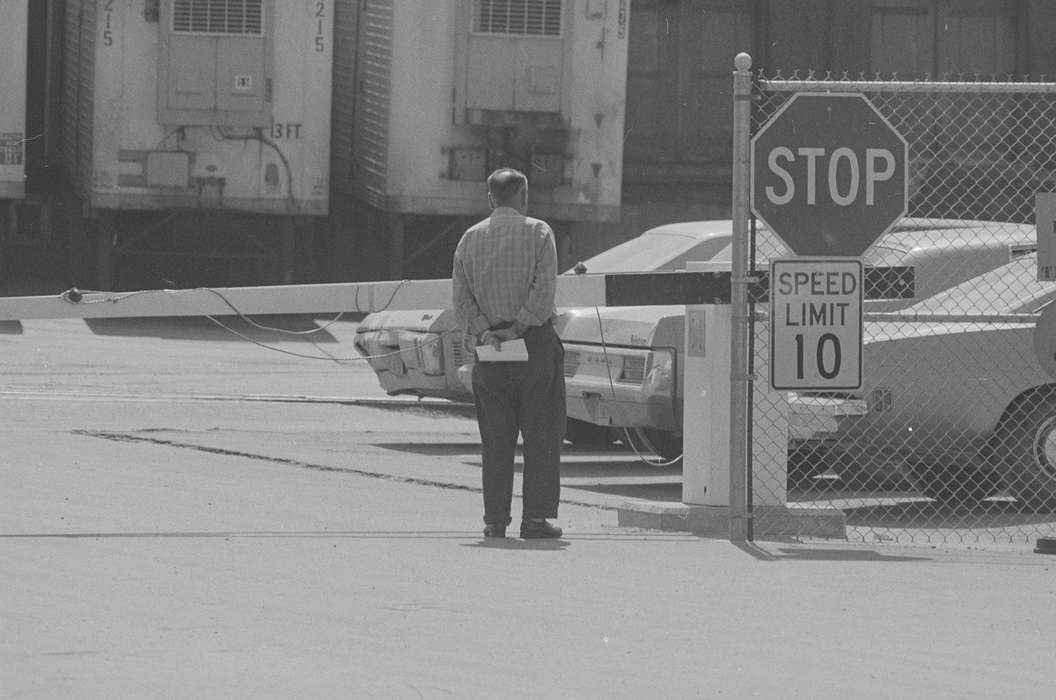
(529, 398)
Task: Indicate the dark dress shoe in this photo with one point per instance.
(494, 530)
(539, 529)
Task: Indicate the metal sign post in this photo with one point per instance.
(741, 322)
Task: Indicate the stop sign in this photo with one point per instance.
(829, 174)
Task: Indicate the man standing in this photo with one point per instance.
(504, 278)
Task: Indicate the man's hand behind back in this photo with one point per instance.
(497, 337)
(492, 338)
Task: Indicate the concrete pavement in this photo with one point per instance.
(157, 546)
(138, 569)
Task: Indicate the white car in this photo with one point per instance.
(415, 352)
(954, 392)
(622, 365)
(420, 353)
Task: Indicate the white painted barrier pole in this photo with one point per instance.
(706, 425)
(366, 297)
(706, 394)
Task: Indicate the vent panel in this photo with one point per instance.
(517, 17)
(228, 17)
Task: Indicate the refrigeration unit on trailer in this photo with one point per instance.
(30, 50)
(432, 96)
(198, 128)
(14, 34)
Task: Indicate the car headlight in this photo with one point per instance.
(429, 349)
(632, 369)
(422, 351)
(381, 349)
(370, 344)
(659, 372)
(360, 343)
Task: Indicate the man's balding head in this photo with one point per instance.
(508, 188)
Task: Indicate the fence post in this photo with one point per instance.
(739, 380)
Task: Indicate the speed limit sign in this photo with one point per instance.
(816, 324)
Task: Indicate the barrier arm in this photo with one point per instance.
(618, 289)
(351, 297)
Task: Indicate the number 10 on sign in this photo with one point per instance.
(816, 324)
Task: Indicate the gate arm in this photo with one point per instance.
(351, 297)
(621, 289)
(663, 288)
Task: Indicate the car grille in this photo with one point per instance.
(458, 352)
(633, 371)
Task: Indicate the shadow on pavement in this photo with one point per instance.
(667, 493)
(432, 449)
(514, 543)
(821, 554)
(621, 464)
(990, 513)
(842, 555)
(284, 327)
(431, 409)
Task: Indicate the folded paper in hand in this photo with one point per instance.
(509, 351)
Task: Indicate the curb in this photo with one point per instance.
(770, 522)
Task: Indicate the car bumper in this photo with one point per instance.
(621, 386)
(626, 411)
(816, 418)
(414, 384)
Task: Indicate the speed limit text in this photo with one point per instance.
(817, 284)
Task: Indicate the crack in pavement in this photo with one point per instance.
(415, 480)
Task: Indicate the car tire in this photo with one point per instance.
(583, 434)
(953, 485)
(662, 443)
(1027, 446)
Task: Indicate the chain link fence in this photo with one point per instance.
(952, 436)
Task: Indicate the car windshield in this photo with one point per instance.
(1010, 289)
(665, 248)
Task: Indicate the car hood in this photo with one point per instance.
(664, 248)
(425, 321)
(881, 331)
(1012, 288)
(640, 326)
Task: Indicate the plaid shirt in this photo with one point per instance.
(505, 270)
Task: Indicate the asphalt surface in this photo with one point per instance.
(186, 514)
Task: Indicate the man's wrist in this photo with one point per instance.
(519, 328)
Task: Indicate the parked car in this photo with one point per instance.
(622, 365)
(954, 392)
(419, 353)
